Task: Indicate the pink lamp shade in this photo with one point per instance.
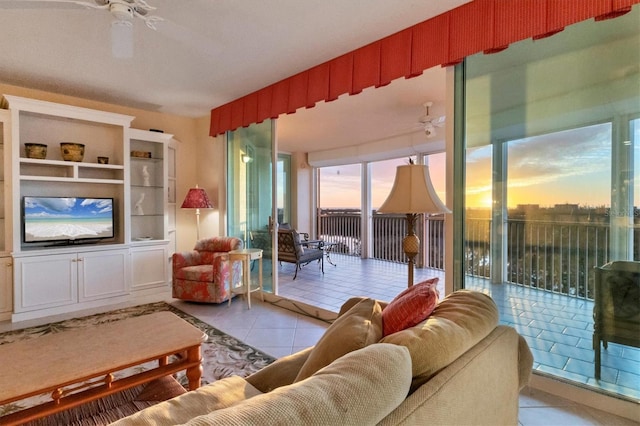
(196, 199)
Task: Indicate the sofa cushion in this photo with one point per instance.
(359, 327)
(410, 307)
(217, 395)
(458, 322)
(360, 388)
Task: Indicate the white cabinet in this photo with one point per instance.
(6, 267)
(117, 261)
(148, 184)
(6, 287)
(150, 194)
(150, 268)
(101, 133)
(46, 282)
(102, 274)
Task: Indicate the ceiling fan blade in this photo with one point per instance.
(438, 121)
(37, 4)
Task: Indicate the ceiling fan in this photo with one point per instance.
(124, 12)
(428, 122)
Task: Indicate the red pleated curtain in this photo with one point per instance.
(479, 26)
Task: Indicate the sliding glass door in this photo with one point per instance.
(551, 164)
(250, 191)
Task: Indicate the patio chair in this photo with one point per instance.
(291, 250)
(616, 313)
(203, 275)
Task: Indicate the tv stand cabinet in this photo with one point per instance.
(52, 281)
(49, 279)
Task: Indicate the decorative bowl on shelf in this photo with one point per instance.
(103, 160)
(72, 151)
(36, 150)
(141, 154)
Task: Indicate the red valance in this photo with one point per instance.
(478, 26)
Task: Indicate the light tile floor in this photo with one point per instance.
(280, 332)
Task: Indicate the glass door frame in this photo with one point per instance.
(253, 187)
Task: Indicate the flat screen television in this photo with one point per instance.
(66, 219)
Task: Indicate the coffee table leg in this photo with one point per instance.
(194, 374)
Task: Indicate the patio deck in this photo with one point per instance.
(558, 328)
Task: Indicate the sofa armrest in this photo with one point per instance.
(485, 377)
(281, 373)
(525, 362)
(185, 258)
(179, 410)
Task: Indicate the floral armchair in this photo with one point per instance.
(203, 275)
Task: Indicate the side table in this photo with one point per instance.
(246, 256)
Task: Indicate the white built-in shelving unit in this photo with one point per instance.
(43, 279)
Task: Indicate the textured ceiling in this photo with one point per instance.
(208, 52)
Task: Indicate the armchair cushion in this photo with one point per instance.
(203, 274)
(195, 273)
(297, 244)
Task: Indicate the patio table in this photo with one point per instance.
(325, 246)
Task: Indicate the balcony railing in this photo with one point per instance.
(342, 226)
(557, 257)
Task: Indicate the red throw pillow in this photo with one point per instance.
(410, 307)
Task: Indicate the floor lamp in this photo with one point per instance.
(412, 194)
(197, 199)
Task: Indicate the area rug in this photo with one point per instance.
(222, 355)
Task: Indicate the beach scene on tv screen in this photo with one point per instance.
(47, 219)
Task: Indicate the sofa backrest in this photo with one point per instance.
(458, 322)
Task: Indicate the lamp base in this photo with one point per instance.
(411, 246)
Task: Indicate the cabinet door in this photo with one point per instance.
(149, 267)
(103, 274)
(45, 281)
(6, 286)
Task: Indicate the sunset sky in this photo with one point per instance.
(571, 166)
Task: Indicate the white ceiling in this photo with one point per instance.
(208, 52)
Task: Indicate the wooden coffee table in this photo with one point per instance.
(78, 366)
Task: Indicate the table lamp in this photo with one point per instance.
(197, 199)
(412, 194)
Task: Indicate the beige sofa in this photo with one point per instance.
(457, 367)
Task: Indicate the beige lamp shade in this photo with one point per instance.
(413, 192)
